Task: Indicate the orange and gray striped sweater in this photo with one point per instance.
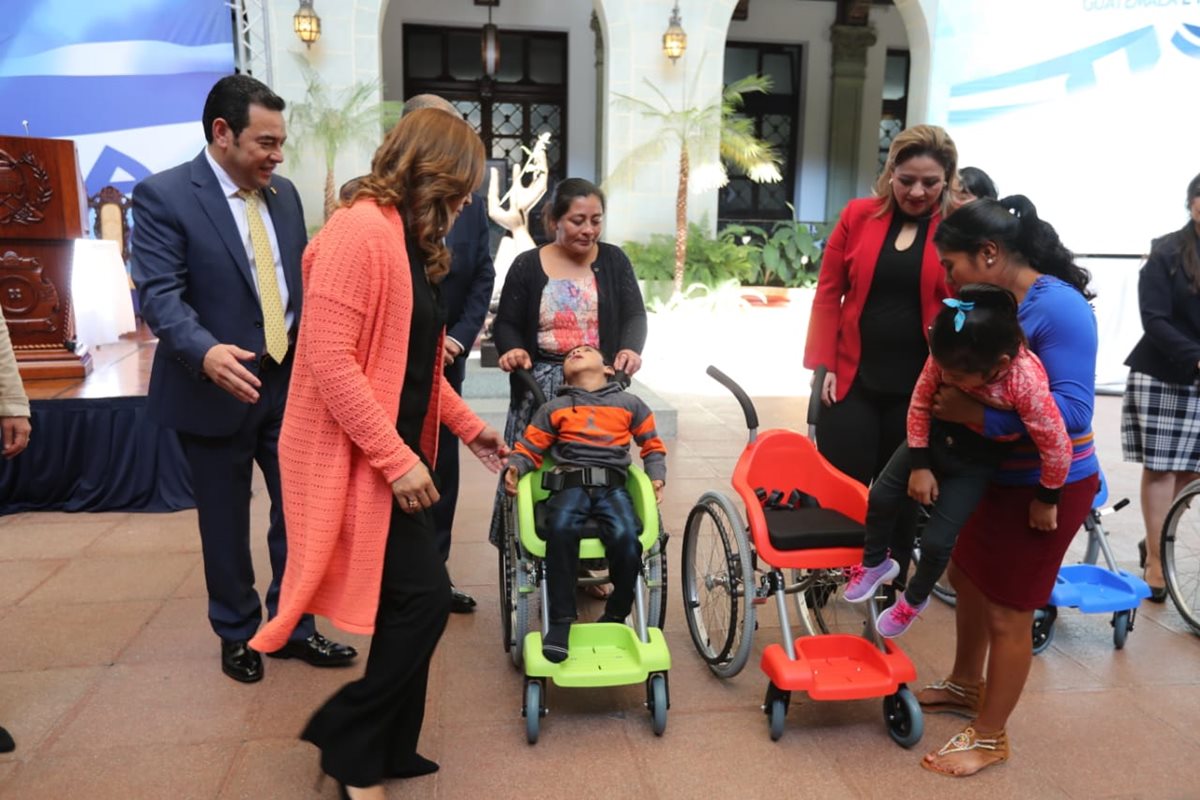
(579, 428)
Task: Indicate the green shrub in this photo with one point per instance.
(790, 254)
(710, 261)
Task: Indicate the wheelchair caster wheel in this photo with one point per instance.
(1043, 628)
(1122, 623)
(902, 713)
(656, 692)
(775, 706)
(534, 711)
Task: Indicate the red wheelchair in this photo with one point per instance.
(806, 518)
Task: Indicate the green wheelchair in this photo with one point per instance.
(601, 654)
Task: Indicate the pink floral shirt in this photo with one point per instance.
(569, 315)
(1023, 388)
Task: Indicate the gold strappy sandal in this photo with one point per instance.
(964, 699)
(994, 747)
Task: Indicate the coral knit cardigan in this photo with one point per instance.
(339, 450)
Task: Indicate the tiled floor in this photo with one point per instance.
(109, 680)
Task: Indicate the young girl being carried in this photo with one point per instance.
(977, 345)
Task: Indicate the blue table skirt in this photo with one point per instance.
(96, 455)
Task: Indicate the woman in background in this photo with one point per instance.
(1162, 398)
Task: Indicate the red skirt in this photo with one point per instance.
(1013, 564)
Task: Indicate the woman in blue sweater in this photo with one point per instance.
(1002, 568)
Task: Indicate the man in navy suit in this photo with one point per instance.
(222, 365)
(466, 293)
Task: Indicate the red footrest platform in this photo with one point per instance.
(838, 667)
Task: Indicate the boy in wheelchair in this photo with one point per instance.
(586, 430)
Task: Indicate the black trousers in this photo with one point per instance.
(961, 484)
(370, 727)
(222, 468)
(446, 469)
(859, 436)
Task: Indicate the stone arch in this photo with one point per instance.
(920, 17)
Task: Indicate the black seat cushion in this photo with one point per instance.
(812, 528)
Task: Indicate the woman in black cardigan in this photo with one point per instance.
(574, 290)
(1159, 417)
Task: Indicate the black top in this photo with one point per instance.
(424, 360)
(894, 347)
(622, 313)
(1169, 349)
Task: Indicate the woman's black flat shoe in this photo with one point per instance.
(1158, 594)
(1142, 554)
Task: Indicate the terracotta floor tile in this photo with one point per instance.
(76, 635)
(1099, 730)
(160, 703)
(98, 580)
(19, 578)
(178, 631)
(34, 538)
(193, 585)
(35, 702)
(179, 772)
(276, 768)
(165, 533)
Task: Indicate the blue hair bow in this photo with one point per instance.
(963, 306)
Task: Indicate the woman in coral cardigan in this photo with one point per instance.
(359, 436)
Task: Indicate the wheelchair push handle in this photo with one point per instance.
(526, 377)
(742, 398)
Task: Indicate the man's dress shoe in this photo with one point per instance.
(317, 651)
(241, 663)
(461, 602)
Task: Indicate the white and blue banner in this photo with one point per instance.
(1087, 106)
(126, 80)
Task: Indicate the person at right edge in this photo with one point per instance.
(879, 289)
(1162, 397)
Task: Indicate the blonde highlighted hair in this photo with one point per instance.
(919, 140)
(425, 167)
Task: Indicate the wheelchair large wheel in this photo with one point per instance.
(656, 581)
(516, 595)
(1181, 554)
(820, 604)
(718, 584)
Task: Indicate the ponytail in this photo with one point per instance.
(1014, 225)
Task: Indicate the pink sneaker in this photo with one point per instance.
(897, 618)
(864, 581)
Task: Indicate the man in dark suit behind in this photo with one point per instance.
(466, 293)
(216, 259)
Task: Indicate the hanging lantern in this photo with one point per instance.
(674, 40)
(306, 23)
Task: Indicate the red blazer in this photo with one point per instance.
(834, 341)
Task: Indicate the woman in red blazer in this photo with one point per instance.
(880, 286)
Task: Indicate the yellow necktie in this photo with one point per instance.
(274, 324)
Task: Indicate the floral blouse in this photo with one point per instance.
(569, 315)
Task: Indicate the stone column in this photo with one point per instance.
(850, 45)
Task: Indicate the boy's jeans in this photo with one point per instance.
(961, 484)
(612, 508)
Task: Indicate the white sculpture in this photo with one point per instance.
(521, 198)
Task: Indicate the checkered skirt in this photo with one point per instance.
(1160, 424)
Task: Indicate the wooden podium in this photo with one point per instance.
(43, 209)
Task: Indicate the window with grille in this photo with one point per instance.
(895, 101)
(776, 119)
(526, 97)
